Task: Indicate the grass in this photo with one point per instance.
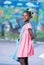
(40, 34)
(10, 35)
(0, 35)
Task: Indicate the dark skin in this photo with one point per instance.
(31, 33)
(26, 19)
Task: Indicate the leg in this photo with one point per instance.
(22, 61)
(26, 60)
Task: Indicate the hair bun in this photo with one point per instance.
(29, 10)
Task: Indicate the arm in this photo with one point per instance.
(31, 33)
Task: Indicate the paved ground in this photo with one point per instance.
(7, 50)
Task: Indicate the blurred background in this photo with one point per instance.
(11, 10)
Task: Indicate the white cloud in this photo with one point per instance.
(20, 4)
(31, 5)
(7, 2)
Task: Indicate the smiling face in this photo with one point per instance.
(26, 16)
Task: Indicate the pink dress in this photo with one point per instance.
(25, 48)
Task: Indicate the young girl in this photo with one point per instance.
(25, 48)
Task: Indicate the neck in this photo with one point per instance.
(27, 21)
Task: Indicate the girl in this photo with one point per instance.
(25, 48)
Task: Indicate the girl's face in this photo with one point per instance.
(25, 16)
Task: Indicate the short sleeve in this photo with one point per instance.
(28, 26)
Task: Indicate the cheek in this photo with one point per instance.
(25, 18)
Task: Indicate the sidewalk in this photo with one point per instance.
(7, 50)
